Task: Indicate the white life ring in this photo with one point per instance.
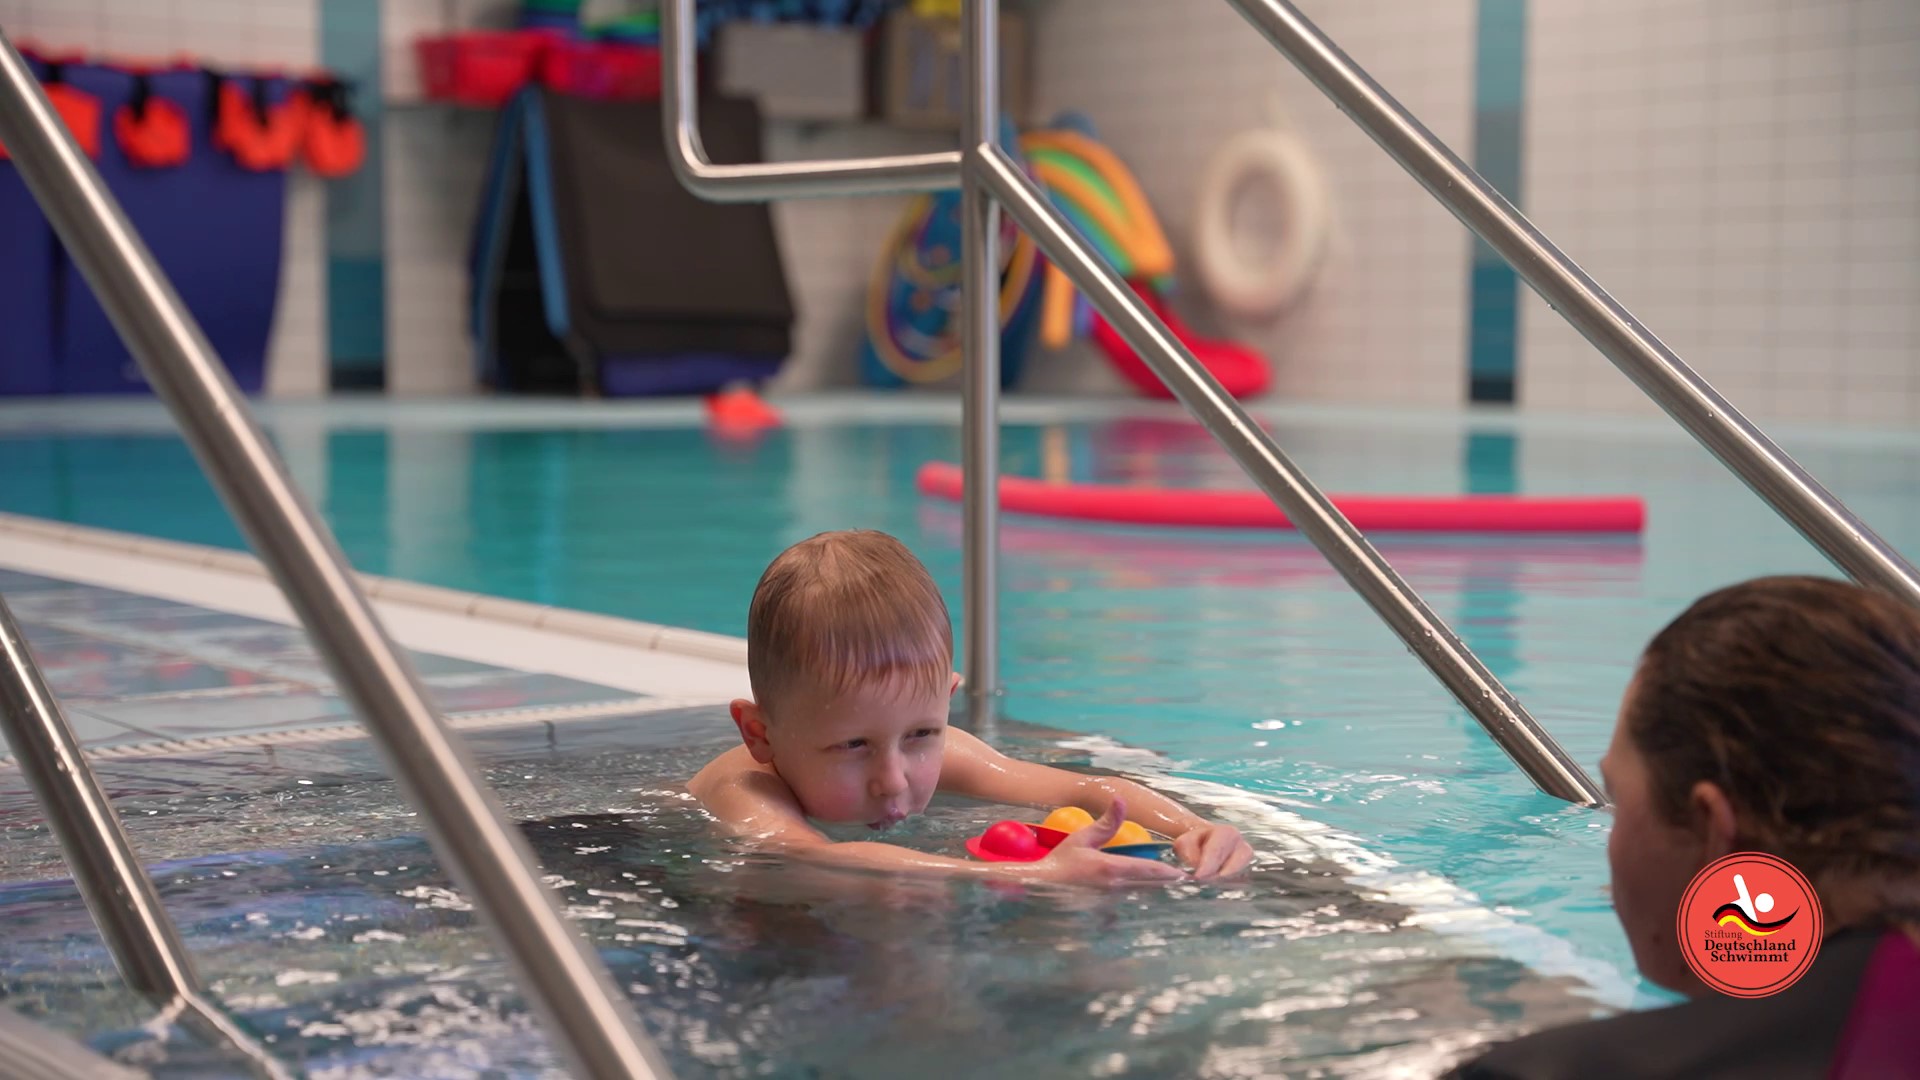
(1278, 163)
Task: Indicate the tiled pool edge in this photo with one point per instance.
(627, 633)
(468, 723)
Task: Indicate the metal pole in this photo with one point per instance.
(143, 941)
(590, 1023)
(1544, 762)
(680, 108)
(146, 946)
(29, 1051)
(1686, 397)
(980, 345)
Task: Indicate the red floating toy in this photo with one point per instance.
(1008, 841)
(1018, 841)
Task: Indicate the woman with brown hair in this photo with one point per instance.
(1781, 715)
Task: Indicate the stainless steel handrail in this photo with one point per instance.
(1663, 376)
(767, 181)
(144, 942)
(593, 1026)
(29, 1051)
(980, 390)
(680, 106)
(1305, 505)
(986, 171)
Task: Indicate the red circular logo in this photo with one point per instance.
(1750, 925)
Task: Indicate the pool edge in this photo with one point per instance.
(640, 657)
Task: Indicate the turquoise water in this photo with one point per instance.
(1242, 658)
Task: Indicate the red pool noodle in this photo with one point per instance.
(1219, 509)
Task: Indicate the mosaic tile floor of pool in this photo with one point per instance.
(136, 674)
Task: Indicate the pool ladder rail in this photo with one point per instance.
(590, 1022)
(990, 180)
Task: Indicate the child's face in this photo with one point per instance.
(869, 755)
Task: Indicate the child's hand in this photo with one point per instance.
(1213, 851)
(1079, 860)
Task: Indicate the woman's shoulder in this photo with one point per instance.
(1790, 1035)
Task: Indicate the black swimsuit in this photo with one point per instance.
(1793, 1035)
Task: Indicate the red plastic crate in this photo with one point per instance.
(480, 67)
(602, 70)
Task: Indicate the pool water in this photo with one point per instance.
(339, 939)
(1242, 660)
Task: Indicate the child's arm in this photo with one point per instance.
(971, 767)
(753, 802)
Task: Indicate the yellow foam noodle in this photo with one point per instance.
(1056, 309)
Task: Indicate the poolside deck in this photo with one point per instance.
(155, 647)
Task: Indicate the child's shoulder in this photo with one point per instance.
(734, 781)
(745, 794)
(728, 768)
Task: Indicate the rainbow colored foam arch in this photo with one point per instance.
(1090, 186)
(913, 292)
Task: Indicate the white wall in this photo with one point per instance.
(1167, 83)
(1744, 175)
(251, 33)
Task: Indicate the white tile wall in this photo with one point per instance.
(1743, 175)
(435, 162)
(1167, 83)
(830, 247)
(254, 33)
(298, 363)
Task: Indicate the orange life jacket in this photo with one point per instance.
(335, 143)
(80, 111)
(259, 135)
(152, 131)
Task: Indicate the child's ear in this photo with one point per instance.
(753, 729)
(954, 687)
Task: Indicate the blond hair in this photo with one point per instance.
(843, 610)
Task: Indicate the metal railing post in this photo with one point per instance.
(763, 181)
(590, 1022)
(1429, 638)
(31, 1052)
(118, 893)
(980, 345)
(989, 180)
(143, 941)
(1663, 376)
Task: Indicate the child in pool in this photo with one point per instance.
(850, 657)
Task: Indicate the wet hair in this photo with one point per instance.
(845, 610)
(1800, 698)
